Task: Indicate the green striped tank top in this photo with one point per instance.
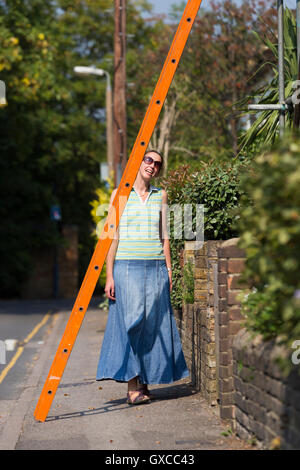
(139, 227)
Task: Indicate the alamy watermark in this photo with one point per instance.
(296, 354)
(182, 222)
(296, 94)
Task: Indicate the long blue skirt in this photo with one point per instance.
(141, 337)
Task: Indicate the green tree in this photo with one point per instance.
(53, 127)
(199, 119)
(222, 53)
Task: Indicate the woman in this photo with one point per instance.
(141, 344)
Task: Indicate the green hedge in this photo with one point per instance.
(270, 236)
(215, 185)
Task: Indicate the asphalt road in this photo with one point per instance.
(28, 323)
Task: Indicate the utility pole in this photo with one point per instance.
(281, 66)
(296, 123)
(109, 126)
(119, 91)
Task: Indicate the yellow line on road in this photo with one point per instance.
(21, 348)
(36, 328)
(11, 364)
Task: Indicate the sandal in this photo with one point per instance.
(139, 399)
(144, 389)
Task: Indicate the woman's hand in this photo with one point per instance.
(110, 288)
(170, 279)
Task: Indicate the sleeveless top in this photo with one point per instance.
(139, 227)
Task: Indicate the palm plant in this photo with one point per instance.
(266, 127)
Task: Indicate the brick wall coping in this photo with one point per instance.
(230, 242)
(253, 351)
(229, 249)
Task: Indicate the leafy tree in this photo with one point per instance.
(222, 53)
(27, 69)
(199, 120)
(53, 127)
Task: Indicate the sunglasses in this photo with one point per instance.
(149, 161)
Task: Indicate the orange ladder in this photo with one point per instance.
(89, 283)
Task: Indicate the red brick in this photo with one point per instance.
(223, 332)
(231, 252)
(202, 251)
(222, 290)
(234, 327)
(222, 305)
(222, 278)
(222, 266)
(234, 313)
(225, 372)
(200, 284)
(235, 266)
(223, 344)
(233, 282)
(232, 297)
(224, 359)
(226, 412)
(200, 262)
(200, 273)
(226, 399)
(223, 318)
(226, 385)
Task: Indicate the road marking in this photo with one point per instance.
(36, 328)
(21, 348)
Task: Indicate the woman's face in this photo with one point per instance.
(149, 170)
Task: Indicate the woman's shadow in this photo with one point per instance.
(161, 393)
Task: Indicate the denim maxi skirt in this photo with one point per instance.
(141, 336)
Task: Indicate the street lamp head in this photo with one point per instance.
(85, 71)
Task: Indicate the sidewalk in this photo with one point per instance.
(87, 414)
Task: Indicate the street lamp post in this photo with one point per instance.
(85, 71)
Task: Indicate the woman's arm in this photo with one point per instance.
(165, 236)
(110, 258)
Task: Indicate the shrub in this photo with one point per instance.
(215, 185)
(270, 236)
(188, 283)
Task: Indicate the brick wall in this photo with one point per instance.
(40, 284)
(208, 326)
(197, 322)
(231, 261)
(227, 365)
(267, 403)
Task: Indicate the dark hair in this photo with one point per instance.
(159, 154)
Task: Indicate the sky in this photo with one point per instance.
(163, 6)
